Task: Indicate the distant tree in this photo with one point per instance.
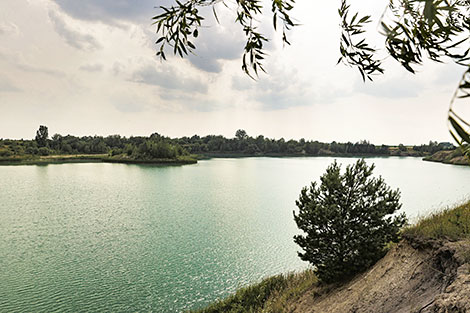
(241, 134)
(41, 136)
(155, 136)
(67, 148)
(129, 149)
(347, 221)
(44, 151)
(56, 142)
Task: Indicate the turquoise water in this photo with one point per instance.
(128, 238)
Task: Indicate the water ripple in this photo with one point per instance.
(127, 238)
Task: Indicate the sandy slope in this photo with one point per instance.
(412, 277)
(448, 157)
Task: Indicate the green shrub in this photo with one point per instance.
(44, 151)
(116, 151)
(5, 152)
(347, 221)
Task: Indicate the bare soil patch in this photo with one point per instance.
(427, 276)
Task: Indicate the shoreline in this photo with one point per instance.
(453, 157)
(93, 158)
(152, 162)
(53, 159)
(445, 157)
(298, 155)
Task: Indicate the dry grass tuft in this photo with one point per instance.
(449, 224)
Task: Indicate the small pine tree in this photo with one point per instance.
(347, 221)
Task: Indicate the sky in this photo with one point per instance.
(89, 68)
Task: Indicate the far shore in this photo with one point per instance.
(89, 158)
(454, 157)
(440, 156)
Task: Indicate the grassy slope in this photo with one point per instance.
(273, 293)
(449, 157)
(269, 295)
(51, 159)
(449, 224)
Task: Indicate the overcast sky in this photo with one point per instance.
(89, 67)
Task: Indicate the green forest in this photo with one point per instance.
(157, 146)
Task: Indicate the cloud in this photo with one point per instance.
(149, 75)
(7, 86)
(450, 74)
(127, 104)
(278, 100)
(92, 67)
(188, 102)
(394, 88)
(215, 45)
(112, 11)
(20, 63)
(226, 41)
(206, 64)
(74, 38)
(117, 68)
(9, 29)
(275, 92)
(34, 69)
(242, 83)
(275, 96)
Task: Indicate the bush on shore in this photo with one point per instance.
(347, 221)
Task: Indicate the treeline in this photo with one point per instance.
(157, 146)
(265, 146)
(244, 144)
(143, 148)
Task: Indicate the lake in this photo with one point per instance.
(117, 238)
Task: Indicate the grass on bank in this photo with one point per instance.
(449, 224)
(270, 295)
(86, 158)
(50, 159)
